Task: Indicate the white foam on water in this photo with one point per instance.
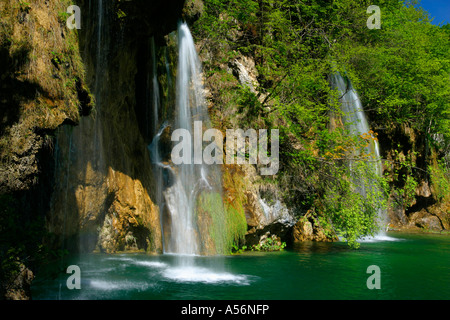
(373, 239)
(119, 259)
(155, 264)
(104, 285)
(152, 264)
(182, 255)
(378, 238)
(197, 274)
(119, 285)
(97, 271)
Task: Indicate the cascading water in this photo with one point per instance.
(354, 117)
(355, 121)
(183, 185)
(187, 180)
(156, 97)
(154, 147)
(76, 149)
(191, 177)
(79, 153)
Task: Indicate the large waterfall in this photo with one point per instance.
(183, 186)
(184, 182)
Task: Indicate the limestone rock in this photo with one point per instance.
(243, 68)
(35, 97)
(132, 222)
(442, 211)
(281, 231)
(396, 214)
(253, 212)
(423, 190)
(105, 193)
(307, 229)
(303, 230)
(425, 220)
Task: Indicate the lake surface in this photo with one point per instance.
(412, 266)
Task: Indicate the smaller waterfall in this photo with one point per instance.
(354, 117)
(355, 121)
(158, 167)
(155, 87)
(81, 168)
(167, 65)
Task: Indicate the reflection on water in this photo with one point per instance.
(313, 247)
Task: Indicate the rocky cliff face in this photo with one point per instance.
(75, 126)
(74, 118)
(84, 157)
(42, 87)
(104, 196)
(417, 201)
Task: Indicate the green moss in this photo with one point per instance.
(440, 178)
(226, 225)
(237, 224)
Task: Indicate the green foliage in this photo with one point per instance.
(63, 16)
(269, 244)
(235, 249)
(400, 72)
(121, 14)
(440, 178)
(402, 69)
(401, 177)
(354, 199)
(249, 106)
(227, 226)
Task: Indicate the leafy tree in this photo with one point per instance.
(400, 71)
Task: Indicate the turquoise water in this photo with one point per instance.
(412, 266)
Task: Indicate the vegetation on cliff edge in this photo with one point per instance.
(401, 72)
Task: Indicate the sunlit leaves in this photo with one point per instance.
(403, 73)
